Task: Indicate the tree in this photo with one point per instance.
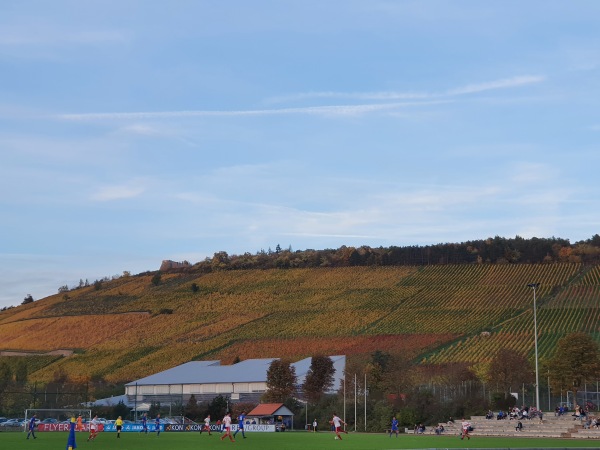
(21, 372)
(156, 279)
(218, 407)
(319, 378)
(120, 409)
(508, 370)
(27, 299)
(191, 409)
(575, 361)
(5, 376)
(154, 409)
(281, 381)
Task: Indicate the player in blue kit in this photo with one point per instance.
(157, 424)
(394, 428)
(31, 431)
(241, 418)
(144, 424)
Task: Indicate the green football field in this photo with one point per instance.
(279, 441)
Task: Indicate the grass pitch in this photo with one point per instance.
(280, 441)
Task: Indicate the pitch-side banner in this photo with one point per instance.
(217, 428)
(132, 427)
(65, 427)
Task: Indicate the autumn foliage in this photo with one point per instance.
(131, 327)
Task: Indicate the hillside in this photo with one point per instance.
(133, 326)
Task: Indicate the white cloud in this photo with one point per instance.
(505, 83)
(332, 110)
(117, 192)
(385, 95)
(44, 35)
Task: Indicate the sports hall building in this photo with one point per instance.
(245, 381)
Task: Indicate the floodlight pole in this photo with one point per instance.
(534, 286)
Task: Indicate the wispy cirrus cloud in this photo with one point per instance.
(117, 192)
(47, 36)
(384, 101)
(504, 83)
(383, 95)
(329, 110)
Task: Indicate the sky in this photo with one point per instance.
(137, 131)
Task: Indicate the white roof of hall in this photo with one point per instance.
(200, 372)
(247, 371)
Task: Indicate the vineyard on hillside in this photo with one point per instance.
(132, 326)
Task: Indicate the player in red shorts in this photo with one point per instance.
(337, 423)
(206, 426)
(227, 426)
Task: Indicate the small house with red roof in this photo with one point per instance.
(272, 413)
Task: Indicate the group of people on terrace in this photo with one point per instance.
(583, 414)
(516, 413)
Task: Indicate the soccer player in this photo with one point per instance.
(315, 426)
(79, 424)
(337, 423)
(93, 429)
(32, 427)
(144, 424)
(206, 426)
(227, 426)
(394, 428)
(157, 424)
(465, 425)
(241, 418)
(119, 425)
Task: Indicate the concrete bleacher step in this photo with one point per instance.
(551, 426)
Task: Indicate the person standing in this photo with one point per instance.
(227, 427)
(241, 419)
(119, 426)
(466, 427)
(157, 424)
(337, 423)
(144, 424)
(71, 444)
(206, 426)
(79, 426)
(315, 426)
(31, 427)
(93, 429)
(394, 428)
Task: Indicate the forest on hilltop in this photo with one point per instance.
(497, 250)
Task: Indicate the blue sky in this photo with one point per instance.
(137, 131)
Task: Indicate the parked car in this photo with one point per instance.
(167, 420)
(50, 420)
(12, 423)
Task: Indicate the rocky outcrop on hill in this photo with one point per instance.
(167, 264)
